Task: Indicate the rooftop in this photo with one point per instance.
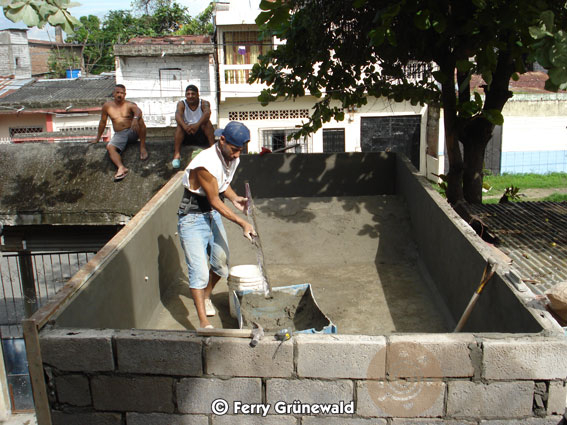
(60, 93)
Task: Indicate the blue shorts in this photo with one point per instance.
(204, 242)
(121, 138)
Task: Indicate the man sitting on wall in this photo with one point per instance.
(128, 127)
(193, 123)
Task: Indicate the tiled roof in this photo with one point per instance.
(533, 235)
(61, 92)
(529, 82)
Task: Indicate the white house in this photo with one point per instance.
(379, 125)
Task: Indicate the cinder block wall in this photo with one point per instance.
(152, 378)
(113, 376)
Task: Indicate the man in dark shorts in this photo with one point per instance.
(193, 123)
(128, 126)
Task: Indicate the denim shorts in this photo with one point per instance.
(204, 242)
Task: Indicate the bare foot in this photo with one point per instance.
(143, 154)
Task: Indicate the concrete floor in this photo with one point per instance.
(356, 252)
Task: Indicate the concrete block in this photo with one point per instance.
(94, 418)
(235, 357)
(139, 394)
(529, 358)
(196, 395)
(557, 399)
(497, 399)
(254, 420)
(428, 421)
(402, 399)
(165, 419)
(344, 356)
(313, 420)
(163, 353)
(429, 356)
(308, 391)
(550, 420)
(73, 389)
(74, 350)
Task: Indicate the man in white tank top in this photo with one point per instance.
(201, 231)
(193, 123)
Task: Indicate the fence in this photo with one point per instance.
(28, 280)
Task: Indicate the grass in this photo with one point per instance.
(523, 182)
(526, 181)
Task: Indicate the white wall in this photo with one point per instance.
(375, 107)
(157, 93)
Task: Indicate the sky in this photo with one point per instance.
(98, 8)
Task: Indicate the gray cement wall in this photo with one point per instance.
(133, 270)
(129, 376)
(455, 257)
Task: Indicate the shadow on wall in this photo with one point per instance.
(290, 175)
(116, 315)
(172, 281)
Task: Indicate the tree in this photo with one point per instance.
(343, 51)
(169, 18)
(150, 6)
(200, 25)
(98, 38)
(37, 13)
(62, 60)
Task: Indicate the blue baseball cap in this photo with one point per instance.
(235, 133)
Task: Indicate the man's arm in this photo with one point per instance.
(206, 109)
(210, 186)
(101, 124)
(137, 116)
(179, 116)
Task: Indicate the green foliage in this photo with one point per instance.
(556, 197)
(61, 60)
(119, 26)
(511, 193)
(37, 13)
(168, 18)
(201, 25)
(342, 51)
(527, 180)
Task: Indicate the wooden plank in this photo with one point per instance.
(237, 333)
(35, 366)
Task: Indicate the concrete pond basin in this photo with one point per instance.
(390, 263)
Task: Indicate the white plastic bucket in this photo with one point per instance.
(242, 278)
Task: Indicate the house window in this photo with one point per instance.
(15, 131)
(242, 48)
(274, 139)
(333, 140)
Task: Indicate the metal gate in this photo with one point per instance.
(399, 134)
(28, 280)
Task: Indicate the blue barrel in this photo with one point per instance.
(73, 73)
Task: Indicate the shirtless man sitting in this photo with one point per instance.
(193, 123)
(128, 126)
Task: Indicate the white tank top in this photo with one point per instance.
(190, 116)
(212, 160)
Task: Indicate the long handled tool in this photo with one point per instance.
(251, 212)
(486, 276)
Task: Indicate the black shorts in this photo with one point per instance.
(197, 139)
